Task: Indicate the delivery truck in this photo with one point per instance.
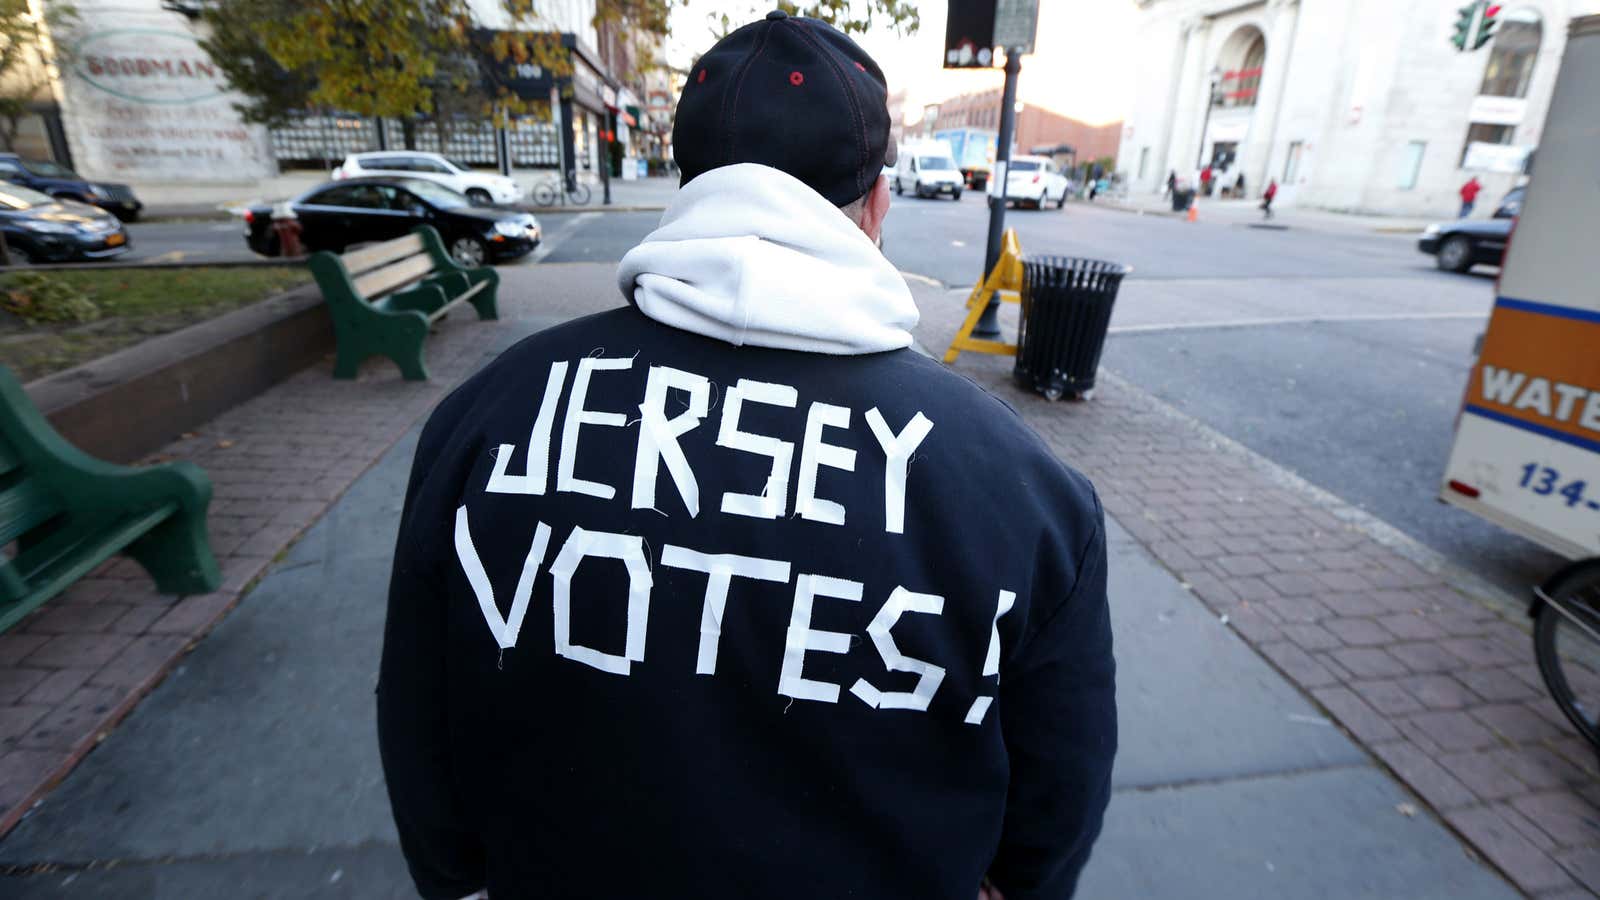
(1526, 454)
(974, 153)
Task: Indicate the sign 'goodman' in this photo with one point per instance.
(147, 65)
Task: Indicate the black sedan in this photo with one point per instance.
(62, 183)
(39, 228)
(352, 211)
(1458, 246)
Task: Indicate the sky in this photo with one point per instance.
(1082, 65)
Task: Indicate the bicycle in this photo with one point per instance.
(547, 192)
(1566, 643)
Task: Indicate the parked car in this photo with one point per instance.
(62, 183)
(481, 188)
(1034, 180)
(340, 214)
(39, 228)
(927, 169)
(1458, 246)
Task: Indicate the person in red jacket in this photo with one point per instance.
(1266, 198)
(1469, 195)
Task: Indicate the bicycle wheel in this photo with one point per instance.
(579, 194)
(544, 194)
(1566, 642)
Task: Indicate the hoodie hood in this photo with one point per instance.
(750, 255)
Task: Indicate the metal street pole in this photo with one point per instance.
(1205, 125)
(989, 324)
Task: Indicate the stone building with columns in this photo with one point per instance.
(1357, 105)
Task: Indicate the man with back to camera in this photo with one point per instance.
(705, 597)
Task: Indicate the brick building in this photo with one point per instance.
(1037, 127)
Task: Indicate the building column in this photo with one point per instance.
(1269, 101)
(1189, 100)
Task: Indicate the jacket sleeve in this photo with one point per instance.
(445, 856)
(1059, 719)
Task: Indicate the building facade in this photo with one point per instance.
(1356, 105)
(1039, 130)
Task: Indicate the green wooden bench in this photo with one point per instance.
(384, 297)
(62, 513)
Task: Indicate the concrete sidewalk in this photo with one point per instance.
(252, 769)
(1247, 212)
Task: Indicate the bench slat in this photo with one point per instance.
(359, 261)
(24, 506)
(63, 558)
(9, 458)
(380, 281)
(459, 299)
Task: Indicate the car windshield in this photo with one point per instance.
(48, 169)
(15, 196)
(436, 194)
(458, 164)
(935, 162)
(1025, 165)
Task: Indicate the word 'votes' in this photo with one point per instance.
(658, 445)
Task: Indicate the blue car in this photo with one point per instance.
(62, 183)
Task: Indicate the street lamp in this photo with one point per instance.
(1214, 77)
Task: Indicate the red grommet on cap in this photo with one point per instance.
(701, 77)
(861, 67)
(797, 79)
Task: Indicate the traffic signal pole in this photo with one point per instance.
(989, 325)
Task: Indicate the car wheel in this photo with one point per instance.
(479, 197)
(1062, 200)
(958, 195)
(468, 251)
(898, 189)
(1455, 254)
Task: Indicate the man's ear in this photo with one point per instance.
(876, 208)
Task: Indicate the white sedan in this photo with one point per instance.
(481, 188)
(1033, 180)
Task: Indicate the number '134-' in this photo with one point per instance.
(1543, 480)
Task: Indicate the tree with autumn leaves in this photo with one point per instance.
(427, 58)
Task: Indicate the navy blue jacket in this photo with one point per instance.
(671, 618)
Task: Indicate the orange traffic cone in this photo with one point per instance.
(1194, 212)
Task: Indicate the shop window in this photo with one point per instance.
(1479, 132)
(1515, 50)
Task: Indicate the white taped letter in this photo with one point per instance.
(802, 637)
(720, 567)
(505, 628)
(897, 450)
(577, 417)
(658, 436)
(629, 549)
(991, 660)
(538, 444)
(771, 502)
(814, 453)
(929, 676)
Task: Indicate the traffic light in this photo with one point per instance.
(1464, 17)
(1486, 27)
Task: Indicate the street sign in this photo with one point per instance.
(969, 34)
(1015, 23)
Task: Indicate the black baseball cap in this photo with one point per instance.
(792, 93)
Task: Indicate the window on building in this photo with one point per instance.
(1240, 62)
(1291, 162)
(1479, 132)
(1516, 48)
(1410, 165)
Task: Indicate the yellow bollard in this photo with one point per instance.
(1006, 282)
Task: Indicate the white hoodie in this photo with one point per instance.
(750, 255)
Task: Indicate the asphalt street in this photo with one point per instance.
(1338, 355)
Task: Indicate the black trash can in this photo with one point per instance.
(1181, 198)
(1066, 309)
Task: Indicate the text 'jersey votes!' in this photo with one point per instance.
(678, 569)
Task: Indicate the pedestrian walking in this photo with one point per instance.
(1469, 195)
(700, 597)
(1267, 198)
(1205, 181)
(1238, 187)
(1172, 182)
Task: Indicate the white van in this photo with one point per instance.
(928, 169)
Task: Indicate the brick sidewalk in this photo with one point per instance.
(71, 670)
(1437, 685)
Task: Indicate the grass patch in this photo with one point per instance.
(133, 304)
